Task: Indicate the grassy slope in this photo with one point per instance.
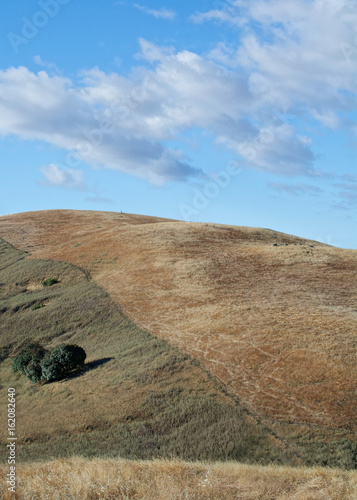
(82, 479)
(136, 397)
(271, 315)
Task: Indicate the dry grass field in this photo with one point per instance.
(135, 396)
(273, 316)
(77, 478)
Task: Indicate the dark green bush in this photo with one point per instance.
(21, 361)
(51, 370)
(31, 352)
(68, 356)
(33, 371)
(49, 282)
(36, 362)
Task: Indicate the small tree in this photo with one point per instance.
(68, 356)
(36, 362)
(30, 352)
(33, 371)
(51, 370)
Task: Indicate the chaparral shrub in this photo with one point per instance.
(37, 363)
(30, 352)
(68, 356)
(51, 370)
(33, 371)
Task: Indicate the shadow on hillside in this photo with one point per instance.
(88, 367)
(95, 364)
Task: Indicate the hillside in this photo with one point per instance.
(135, 397)
(272, 316)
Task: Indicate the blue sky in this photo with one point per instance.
(239, 112)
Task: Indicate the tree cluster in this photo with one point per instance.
(38, 363)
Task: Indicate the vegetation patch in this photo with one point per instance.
(31, 352)
(49, 282)
(38, 363)
(38, 306)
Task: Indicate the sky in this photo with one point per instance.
(237, 112)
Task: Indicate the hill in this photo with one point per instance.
(135, 396)
(271, 316)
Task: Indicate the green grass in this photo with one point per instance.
(136, 396)
(49, 282)
(324, 446)
(37, 306)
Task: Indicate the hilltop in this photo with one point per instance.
(271, 316)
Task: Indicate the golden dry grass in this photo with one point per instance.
(162, 404)
(78, 478)
(277, 324)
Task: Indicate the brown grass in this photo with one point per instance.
(277, 324)
(78, 478)
(136, 397)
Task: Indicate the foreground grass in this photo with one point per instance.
(78, 478)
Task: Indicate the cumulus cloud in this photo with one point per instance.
(104, 122)
(244, 95)
(162, 13)
(64, 177)
(290, 66)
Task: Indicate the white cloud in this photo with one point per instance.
(100, 122)
(110, 121)
(64, 177)
(328, 118)
(158, 13)
(276, 148)
(295, 53)
(244, 95)
(38, 60)
(215, 15)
